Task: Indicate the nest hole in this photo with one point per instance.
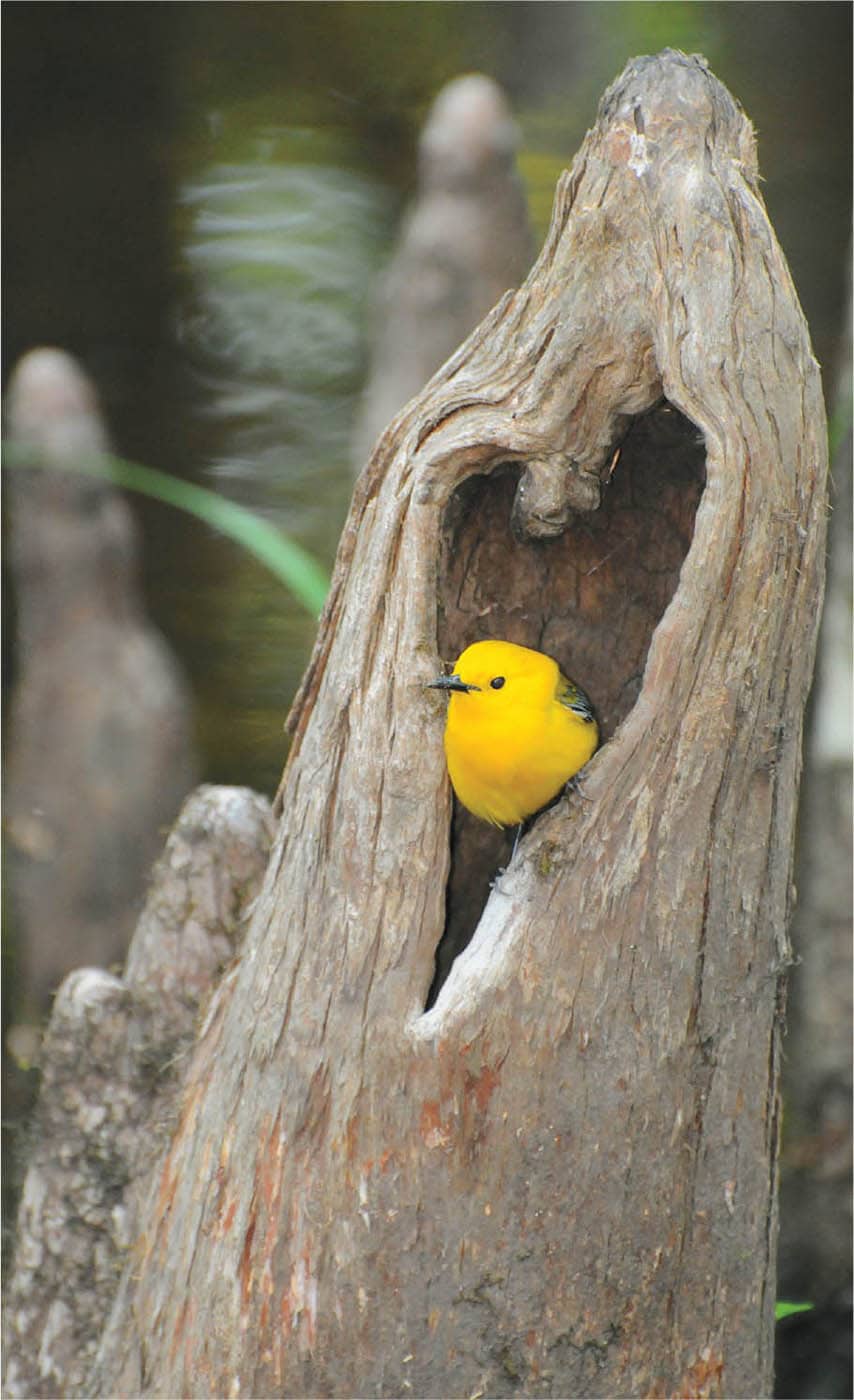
(591, 598)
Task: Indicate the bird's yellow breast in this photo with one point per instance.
(511, 749)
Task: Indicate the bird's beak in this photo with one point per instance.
(450, 683)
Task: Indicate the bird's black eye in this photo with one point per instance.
(497, 682)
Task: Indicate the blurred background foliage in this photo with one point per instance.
(199, 198)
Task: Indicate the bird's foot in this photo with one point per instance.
(573, 787)
(495, 882)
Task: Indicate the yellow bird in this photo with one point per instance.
(517, 730)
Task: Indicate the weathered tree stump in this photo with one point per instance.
(464, 240)
(112, 1061)
(560, 1180)
(100, 752)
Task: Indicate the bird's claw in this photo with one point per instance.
(495, 882)
(573, 787)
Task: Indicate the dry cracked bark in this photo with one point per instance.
(112, 1060)
(560, 1179)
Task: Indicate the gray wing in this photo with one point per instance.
(573, 697)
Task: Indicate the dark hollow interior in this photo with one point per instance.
(590, 598)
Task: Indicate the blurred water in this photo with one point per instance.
(280, 256)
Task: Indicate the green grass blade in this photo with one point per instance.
(787, 1309)
(290, 563)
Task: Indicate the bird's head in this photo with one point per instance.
(501, 673)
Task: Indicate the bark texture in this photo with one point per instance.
(560, 1180)
(112, 1060)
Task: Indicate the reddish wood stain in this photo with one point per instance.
(245, 1270)
(309, 1313)
(703, 1379)
(434, 1131)
(177, 1331)
(166, 1194)
(482, 1086)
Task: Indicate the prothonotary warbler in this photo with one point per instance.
(517, 730)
